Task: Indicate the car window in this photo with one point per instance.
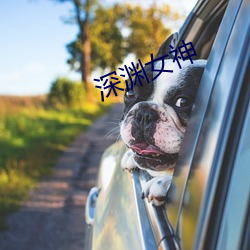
(203, 35)
(235, 212)
(187, 151)
(208, 130)
(202, 25)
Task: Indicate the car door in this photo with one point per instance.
(210, 163)
(121, 218)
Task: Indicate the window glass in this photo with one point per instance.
(236, 206)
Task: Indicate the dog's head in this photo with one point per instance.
(156, 114)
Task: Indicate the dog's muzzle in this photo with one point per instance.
(145, 118)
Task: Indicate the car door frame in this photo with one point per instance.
(208, 108)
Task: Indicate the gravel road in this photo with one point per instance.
(53, 218)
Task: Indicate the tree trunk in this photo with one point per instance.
(86, 57)
(86, 45)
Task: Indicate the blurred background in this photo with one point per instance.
(50, 52)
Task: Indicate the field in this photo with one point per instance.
(32, 135)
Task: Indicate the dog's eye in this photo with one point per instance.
(130, 94)
(183, 102)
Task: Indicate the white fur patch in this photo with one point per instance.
(127, 162)
(167, 138)
(125, 132)
(157, 188)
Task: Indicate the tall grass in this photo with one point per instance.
(31, 139)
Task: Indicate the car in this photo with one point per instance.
(208, 203)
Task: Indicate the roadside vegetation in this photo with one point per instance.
(34, 131)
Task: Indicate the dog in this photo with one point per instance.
(155, 119)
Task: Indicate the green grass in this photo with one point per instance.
(31, 139)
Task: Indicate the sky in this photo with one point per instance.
(32, 44)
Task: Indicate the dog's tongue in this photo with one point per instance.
(145, 149)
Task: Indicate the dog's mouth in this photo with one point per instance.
(152, 155)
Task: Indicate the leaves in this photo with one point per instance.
(147, 31)
(119, 30)
(106, 38)
(65, 92)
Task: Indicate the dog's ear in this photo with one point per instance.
(165, 47)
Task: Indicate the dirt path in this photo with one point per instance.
(53, 218)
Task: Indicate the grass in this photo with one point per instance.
(31, 139)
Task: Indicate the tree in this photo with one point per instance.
(107, 43)
(83, 16)
(145, 32)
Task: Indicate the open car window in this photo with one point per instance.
(202, 25)
(206, 21)
(197, 175)
(201, 29)
(178, 224)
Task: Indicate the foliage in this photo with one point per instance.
(31, 138)
(108, 44)
(119, 30)
(147, 30)
(108, 34)
(67, 93)
(74, 49)
(83, 12)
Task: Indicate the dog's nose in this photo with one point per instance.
(144, 118)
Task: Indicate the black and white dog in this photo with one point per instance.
(155, 119)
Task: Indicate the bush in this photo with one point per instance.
(65, 92)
